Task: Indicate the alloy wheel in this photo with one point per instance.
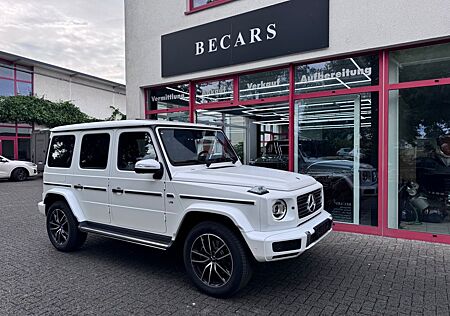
(59, 226)
(211, 260)
(21, 175)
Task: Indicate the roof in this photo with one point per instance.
(124, 124)
(31, 62)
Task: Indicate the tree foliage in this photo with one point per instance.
(116, 114)
(35, 110)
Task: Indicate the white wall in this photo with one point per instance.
(93, 98)
(355, 25)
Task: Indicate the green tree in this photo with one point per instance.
(35, 110)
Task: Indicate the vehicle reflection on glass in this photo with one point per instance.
(334, 172)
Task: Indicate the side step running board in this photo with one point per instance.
(161, 242)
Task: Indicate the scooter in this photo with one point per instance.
(416, 207)
(412, 204)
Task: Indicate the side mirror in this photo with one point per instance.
(149, 166)
(3, 160)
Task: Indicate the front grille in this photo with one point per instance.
(302, 203)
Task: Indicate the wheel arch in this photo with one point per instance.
(54, 195)
(19, 167)
(194, 217)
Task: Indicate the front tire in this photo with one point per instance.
(19, 174)
(216, 260)
(62, 228)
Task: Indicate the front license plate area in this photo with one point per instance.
(319, 230)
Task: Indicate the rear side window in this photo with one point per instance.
(94, 151)
(61, 151)
(134, 146)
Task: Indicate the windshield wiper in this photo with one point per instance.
(208, 161)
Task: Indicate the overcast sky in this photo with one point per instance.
(83, 35)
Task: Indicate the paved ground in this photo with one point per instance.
(345, 274)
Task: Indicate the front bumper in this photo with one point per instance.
(295, 240)
(41, 207)
(33, 172)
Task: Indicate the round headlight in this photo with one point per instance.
(279, 210)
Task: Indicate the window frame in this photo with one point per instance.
(191, 9)
(226, 102)
(148, 112)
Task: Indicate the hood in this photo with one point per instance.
(19, 163)
(247, 176)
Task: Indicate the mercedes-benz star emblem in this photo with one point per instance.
(311, 203)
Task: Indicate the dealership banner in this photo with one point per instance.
(290, 27)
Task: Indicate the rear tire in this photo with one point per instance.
(62, 228)
(216, 260)
(19, 174)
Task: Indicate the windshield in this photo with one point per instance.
(187, 146)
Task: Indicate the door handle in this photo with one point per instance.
(117, 190)
(78, 186)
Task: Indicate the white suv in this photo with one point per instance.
(160, 184)
(17, 170)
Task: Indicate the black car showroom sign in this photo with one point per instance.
(289, 27)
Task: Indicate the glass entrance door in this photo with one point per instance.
(7, 148)
(336, 142)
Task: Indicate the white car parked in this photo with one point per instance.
(160, 184)
(16, 170)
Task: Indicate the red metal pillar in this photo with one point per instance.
(291, 116)
(192, 99)
(383, 131)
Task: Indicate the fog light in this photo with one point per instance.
(279, 210)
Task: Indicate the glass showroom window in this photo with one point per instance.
(419, 159)
(337, 74)
(258, 132)
(168, 97)
(181, 116)
(422, 63)
(232, 123)
(263, 85)
(214, 91)
(337, 143)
